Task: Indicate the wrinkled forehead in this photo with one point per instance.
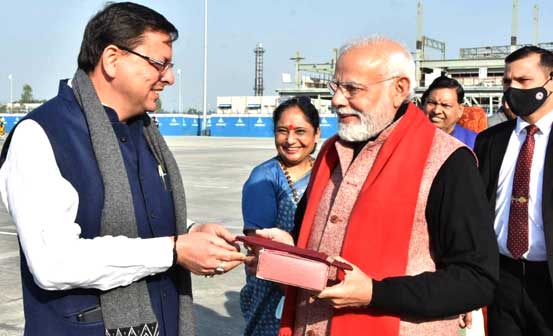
(361, 64)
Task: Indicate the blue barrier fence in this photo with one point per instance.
(10, 120)
(223, 125)
(180, 124)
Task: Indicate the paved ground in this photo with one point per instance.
(213, 170)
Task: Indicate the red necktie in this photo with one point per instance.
(517, 239)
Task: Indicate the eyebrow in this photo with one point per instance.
(441, 101)
(295, 127)
(350, 82)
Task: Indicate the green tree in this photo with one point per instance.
(27, 94)
(159, 108)
(192, 111)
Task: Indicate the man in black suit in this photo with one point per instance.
(516, 163)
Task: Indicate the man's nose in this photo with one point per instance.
(338, 99)
(168, 77)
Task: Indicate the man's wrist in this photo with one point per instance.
(370, 289)
(175, 254)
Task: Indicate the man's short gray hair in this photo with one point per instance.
(395, 63)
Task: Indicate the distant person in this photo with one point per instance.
(269, 200)
(155, 121)
(498, 117)
(503, 113)
(444, 106)
(474, 118)
(2, 126)
(97, 197)
(517, 167)
(400, 201)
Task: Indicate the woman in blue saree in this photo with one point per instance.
(269, 200)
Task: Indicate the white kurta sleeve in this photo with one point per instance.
(44, 205)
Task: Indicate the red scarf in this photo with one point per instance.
(382, 215)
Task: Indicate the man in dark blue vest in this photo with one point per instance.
(97, 197)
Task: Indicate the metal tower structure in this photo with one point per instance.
(500, 52)
(536, 24)
(297, 59)
(418, 53)
(258, 86)
(320, 73)
(425, 41)
(514, 25)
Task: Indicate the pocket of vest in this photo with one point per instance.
(88, 315)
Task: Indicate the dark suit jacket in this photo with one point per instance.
(490, 148)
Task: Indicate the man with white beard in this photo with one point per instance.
(400, 201)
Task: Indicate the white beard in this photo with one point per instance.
(370, 123)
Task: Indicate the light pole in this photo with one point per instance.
(10, 77)
(179, 73)
(204, 124)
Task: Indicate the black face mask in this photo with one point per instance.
(524, 102)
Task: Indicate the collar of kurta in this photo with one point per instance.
(379, 230)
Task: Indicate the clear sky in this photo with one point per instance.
(39, 40)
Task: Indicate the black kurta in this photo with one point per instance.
(462, 244)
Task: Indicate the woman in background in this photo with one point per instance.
(269, 200)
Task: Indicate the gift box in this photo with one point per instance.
(292, 265)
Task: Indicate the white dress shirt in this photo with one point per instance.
(44, 206)
(536, 239)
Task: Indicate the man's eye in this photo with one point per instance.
(156, 65)
(351, 89)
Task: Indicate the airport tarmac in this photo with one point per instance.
(213, 171)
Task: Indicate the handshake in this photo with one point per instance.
(210, 249)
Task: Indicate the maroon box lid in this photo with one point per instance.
(302, 252)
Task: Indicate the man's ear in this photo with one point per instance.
(400, 91)
(550, 82)
(109, 59)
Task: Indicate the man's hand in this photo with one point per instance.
(277, 235)
(207, 247)
(465, 320)
(251, 260)
(214, 229)
(355, 291)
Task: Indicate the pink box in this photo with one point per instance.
(292, 265)
(293, 270)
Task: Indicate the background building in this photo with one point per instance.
(478, 69)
